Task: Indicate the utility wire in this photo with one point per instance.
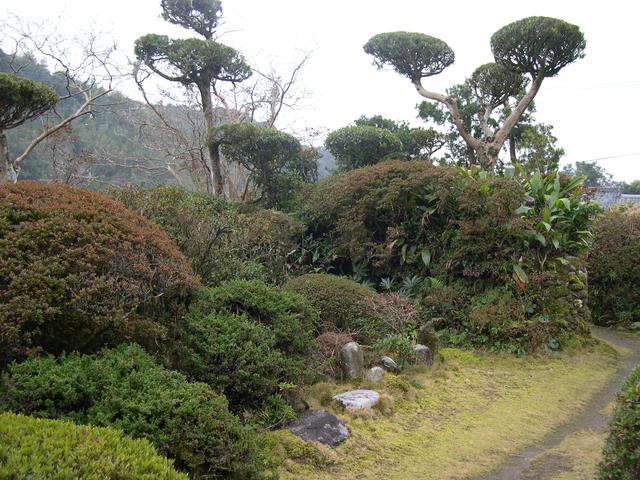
(613, 156)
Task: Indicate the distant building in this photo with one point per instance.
(610, 196)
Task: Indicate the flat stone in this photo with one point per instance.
(357, 399)
(374, 374)
(319, 426)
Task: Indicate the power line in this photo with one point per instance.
(613, 156)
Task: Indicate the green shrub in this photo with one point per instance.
(235, 355)
(125, 389)
(397, 219)
(78, 270)
(346, 306)
(613, 268)
(201, 225)
(398, 347)
(451, 237)
(267, 240)
(622, 447)
(52, 449)
(288, 315)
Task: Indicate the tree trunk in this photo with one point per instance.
(7, 171)
(512, 149)
(215, 166)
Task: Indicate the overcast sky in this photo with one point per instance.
(593, 103)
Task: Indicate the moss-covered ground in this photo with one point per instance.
(458, 419)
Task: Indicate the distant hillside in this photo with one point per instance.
(326, 162)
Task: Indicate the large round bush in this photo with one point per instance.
(53, 449)
(125, 389)
(78, 270)
(613, 268)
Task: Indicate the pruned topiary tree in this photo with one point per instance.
(362, 145)
(195, 62)
(536, 46)
(274, 159)
(21, 100)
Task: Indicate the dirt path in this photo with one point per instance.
(554, 458)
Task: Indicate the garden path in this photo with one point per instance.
(563, 453)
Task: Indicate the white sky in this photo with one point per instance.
(593, 103)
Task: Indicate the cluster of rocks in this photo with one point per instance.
(324, 427)
(352, 362)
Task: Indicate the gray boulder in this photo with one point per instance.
(357, 399)
(389, 364)
(319, 426)
(424, 354)
(374, 374)
(352, 360)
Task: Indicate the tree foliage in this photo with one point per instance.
(413, 55)
(22, 99)
(358, 146)
(191, 61)
(540, 46)
(276, 161)
(201, 16)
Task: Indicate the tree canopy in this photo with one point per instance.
(360, 145)
(538, 45)
(414, 55)
(276, 160)
(201, 16)
(22, 99)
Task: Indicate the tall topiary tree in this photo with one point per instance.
(199, 62)
(275, 159)
(20, 100)
(536, 46)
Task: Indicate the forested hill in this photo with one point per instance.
(108, 143)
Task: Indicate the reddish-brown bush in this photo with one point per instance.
(78, 271)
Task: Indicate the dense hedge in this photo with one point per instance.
(53, 449)
(486, 254)
(124, 388)
(221, 242)
(613, 268)
(246, 338)
(79, 270)
(622, 447)
(415, 218)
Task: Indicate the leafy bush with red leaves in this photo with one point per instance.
(78, 271)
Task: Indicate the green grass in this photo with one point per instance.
(468, 414)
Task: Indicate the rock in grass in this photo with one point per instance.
(389, 364)
(358, 399)
(374, 374)
(424, 354)
(352, 360)
(320, 426)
